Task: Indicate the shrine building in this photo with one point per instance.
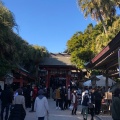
(58, 68)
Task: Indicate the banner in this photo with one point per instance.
(2, 84)
(119, 61)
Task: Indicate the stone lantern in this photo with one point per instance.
(93, 80)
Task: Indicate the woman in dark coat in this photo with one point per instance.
(18, 109)
(115, 107)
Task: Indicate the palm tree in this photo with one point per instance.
(117, 2)
(98, 10)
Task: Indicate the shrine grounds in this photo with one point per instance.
(64, 114)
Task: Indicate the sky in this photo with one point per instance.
(48, 23)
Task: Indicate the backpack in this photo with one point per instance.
(85, 100)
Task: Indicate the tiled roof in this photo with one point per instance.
(57, 59)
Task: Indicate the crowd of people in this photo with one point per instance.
(66, 98)
(16, 102)
(89, 98)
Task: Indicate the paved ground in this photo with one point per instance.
(104, 117)
(57, 114)
(64, 115)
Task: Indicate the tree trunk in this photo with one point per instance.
(100, 16)
(37, 66)
(103, 23)
(101, 19)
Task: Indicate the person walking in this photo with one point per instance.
(91, 104)
(6, 101)
(34, 94)
(41, 106)
(74, 102)
(0, 96)
(115, 107)
(57, 98)
(82, 96)
(28, 97)
(0, 91)
(62, 96)
(69, 97)
(98, 99)
(85, 105)
(18, 111)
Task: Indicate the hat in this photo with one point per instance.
(20, 91)
(40, 92)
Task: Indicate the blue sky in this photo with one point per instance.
(49, 23)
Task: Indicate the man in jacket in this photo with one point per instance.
(98, 99)
(115, 107)
(41, 105)
(6, 99)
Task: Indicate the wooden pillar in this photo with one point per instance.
(68, 78)
(21, 82)
(106, 82)
(48, 79)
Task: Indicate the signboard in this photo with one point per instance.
(108, 95)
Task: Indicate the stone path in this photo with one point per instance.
(104, 117)
(57, 114)
(63, 115)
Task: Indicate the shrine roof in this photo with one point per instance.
(108, 57)
(60, 59)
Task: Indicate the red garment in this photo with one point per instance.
(76, 101)
(35, 93)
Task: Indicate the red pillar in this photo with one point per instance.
(68, 78)
(48, 79)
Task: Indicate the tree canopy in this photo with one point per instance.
(98, 10)
(83, 46)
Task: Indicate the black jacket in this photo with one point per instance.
(17, 112)
(98, 95)
(6, 96)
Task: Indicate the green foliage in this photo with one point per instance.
(5, 66)
(6, 17)
(83, 46)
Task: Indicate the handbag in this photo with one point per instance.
(90, 105)
(71, 107)
(12, 106)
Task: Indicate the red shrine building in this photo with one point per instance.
(58, 69)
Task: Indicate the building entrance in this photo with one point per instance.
(57, 81)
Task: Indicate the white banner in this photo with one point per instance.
(119, 61)
(2, 84)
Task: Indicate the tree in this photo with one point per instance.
(117, 2)
(98, 10)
